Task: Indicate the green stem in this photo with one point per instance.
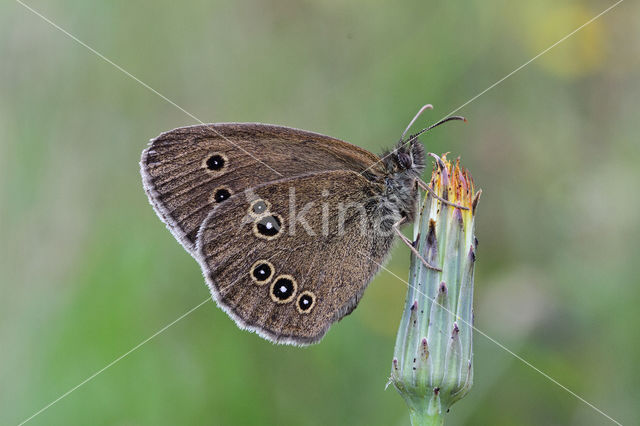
(424, 419)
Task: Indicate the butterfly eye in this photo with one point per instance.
(261, 272)
(283, 289)
(405, 160)
(306, 302)
(268, 226)
(221, 194)
(215, 162)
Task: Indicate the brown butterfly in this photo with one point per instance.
(289, 226)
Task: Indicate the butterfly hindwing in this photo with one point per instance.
(279, 261)
(188, 171)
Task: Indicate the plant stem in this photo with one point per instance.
(425, 419)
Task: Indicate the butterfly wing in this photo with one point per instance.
(296, 257)
(186, 171)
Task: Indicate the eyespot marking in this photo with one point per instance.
(306, 301)
(262, 271)
(259, 207)
(215, 162)
(283, 289)
(268, 226)
(221, 194)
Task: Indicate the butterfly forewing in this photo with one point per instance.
(294, 256)
(189, 171)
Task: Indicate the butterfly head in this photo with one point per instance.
(407, 158)
(409, 154)
(404, 165)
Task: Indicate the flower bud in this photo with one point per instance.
(432, 365)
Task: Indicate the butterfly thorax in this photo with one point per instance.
(403, 165)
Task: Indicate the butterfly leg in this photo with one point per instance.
(396, 228)
(422, 184)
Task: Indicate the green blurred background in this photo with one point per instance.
(87, 271)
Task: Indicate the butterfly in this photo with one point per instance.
(288, 226)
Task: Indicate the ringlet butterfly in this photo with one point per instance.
(289, 226)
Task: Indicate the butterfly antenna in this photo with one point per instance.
(444, 120)
(423, 109)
